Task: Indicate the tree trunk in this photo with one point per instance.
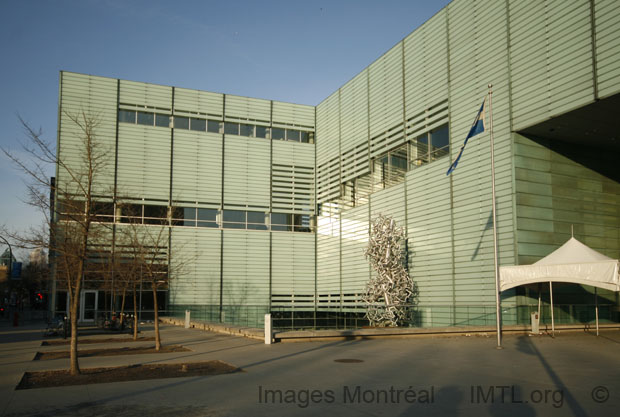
(156, 318)
(122, 314)
(135, 314)
(73, 316)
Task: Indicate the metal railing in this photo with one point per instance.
(286, 318)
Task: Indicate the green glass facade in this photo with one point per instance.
(272, 200)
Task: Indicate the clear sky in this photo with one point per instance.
(297, 51)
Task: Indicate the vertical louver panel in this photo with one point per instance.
(246, 172)
(430, 234)
(607, 18)
(289, 114)
(292, 181)
(145, 95)
(551, 59)
(355, 270)
(328, 259)
(143, 162)
(571, 81)
(426, 65)
(251, 109)
(84, 97)
(558, 196)
(194, 101)
(354, 127)
(389, 202)
(197, 167)
(471, 192)
(246, 269)
(386, 93)
(198, 281)
(292, 270)
(328, 149)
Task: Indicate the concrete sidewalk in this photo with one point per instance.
(573, 374)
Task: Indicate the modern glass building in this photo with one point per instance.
(272, 201)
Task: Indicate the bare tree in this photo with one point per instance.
(128, 269)
(150, 249)
(68, 204)
(155, 261)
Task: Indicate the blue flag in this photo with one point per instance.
(477, 127)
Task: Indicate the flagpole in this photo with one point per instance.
(498, 315)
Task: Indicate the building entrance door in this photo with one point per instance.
(88, 306)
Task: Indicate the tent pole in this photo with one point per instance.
(552, 321)
(596, 307)
(539, 299)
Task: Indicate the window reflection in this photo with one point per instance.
(199, 125)
(181, 122)
(231, 128)
(146, 118)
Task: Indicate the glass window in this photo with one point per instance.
(181, 122)
(254, 226)
(127, 116)
(147, 119)
(292, 135)
(206, 214)
(247, 130)
(279, 218)
(256, 220)
(277, 133)
(305, 137)
(256, 217)
(189, 216)
(176, 213)
(189, 213)
(398, 159)
(207, 217)
(213, 126)
(155, 214)
(100, 208)
(233, 219)
(127, 211)
(231, 128)
(162, 120)
(237, 216)
(198, 124)
(440, 141)
(421, 149)
(261, 131)
(301, 222)
(281, 222)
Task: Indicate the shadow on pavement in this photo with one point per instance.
(526, 346)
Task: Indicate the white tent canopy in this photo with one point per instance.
(572, 262)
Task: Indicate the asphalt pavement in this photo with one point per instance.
(573, 374)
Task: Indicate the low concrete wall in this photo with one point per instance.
(375, 333)
(250, 332)
(401, 332)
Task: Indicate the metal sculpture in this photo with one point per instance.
(389, 292)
